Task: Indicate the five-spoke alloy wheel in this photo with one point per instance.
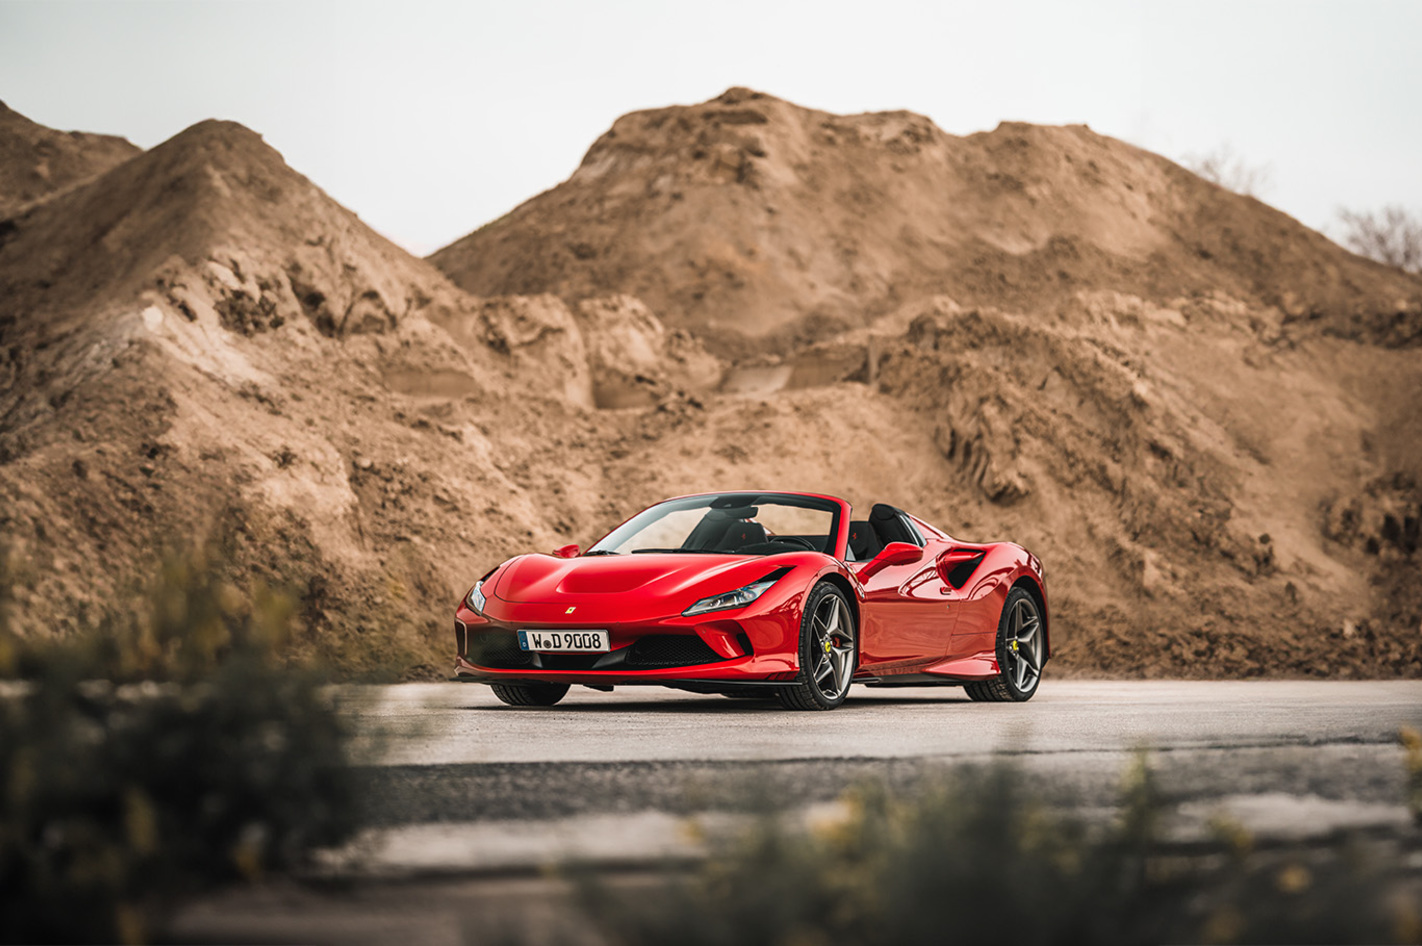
(1020, 652)
(829, 651)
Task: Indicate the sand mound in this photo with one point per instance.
(613, 352)
(1204, 417)
(749, 216)
(1184, 399)
(1207, 501)
(36, 161)
(201, 343)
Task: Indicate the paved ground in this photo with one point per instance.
(442, 724)
(465, 795)
(598, 775)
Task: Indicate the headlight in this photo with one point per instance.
(732, 599)
(476, 598)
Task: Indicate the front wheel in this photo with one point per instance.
(829, 651)
(1021, 652)
(530, 694)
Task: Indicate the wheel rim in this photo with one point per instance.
(832, 647)
(1024, 645)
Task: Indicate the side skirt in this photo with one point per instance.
(910, 680)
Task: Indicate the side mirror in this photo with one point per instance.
(567, 551)
(897, 553)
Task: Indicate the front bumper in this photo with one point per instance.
(732, 647)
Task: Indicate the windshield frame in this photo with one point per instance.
(838, 509)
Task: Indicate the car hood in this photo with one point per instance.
(542, 579)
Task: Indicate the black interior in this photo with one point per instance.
(891, 525)
(787, 543)
(734, 529)
(885, 524)
(722, 529)
(730, 526)
(724, 534)
(742, 534)
(863, 543)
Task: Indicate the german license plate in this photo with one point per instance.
(564, 642)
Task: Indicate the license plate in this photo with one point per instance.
(564, 642)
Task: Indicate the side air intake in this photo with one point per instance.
(956, 566)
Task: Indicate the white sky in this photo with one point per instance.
(429, 119)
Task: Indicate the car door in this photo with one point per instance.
(905, 617)
(973, 604)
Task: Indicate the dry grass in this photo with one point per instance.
(979, 859)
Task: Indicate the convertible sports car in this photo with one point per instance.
(760, 594)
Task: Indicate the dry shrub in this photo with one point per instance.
(1412, 745)
(1392, 236)
(979, 859)
(1223, 166)
(118, 798)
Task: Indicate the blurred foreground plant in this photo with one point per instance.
(979, 859)
(116, 798)
(1412, 745)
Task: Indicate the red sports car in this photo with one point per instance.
(760, 594)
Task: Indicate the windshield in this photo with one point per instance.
(728, 524)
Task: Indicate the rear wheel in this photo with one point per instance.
(1020, 653)
(829, 651)
(530, 694)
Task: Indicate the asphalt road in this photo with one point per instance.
(441, 724)
(469, 802)
(453, 753)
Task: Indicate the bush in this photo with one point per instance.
(1391, 236)
(1230, 171)
(116, 799)
(1412, 745)
(980, 860)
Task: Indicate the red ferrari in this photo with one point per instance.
(760, 594)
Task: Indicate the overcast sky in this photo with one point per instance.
(429, 119)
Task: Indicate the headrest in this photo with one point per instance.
(883, 511)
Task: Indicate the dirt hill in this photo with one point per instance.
(36, 161)
(1202, 414)
(200, 342)
(750, 216)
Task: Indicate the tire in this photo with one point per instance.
(829, 652)
(530, 694)
(1019, 653)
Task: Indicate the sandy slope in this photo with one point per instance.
(36, 161)
(1201, 413)
(200, 343)
(751, 216)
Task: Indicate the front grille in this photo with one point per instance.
(497, 649)
(670, 650)
(576, 661)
